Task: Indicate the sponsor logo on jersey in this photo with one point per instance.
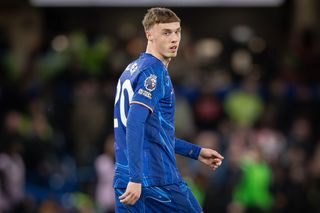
(145, 93)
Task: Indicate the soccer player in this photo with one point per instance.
(146, 175)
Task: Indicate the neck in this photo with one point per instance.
(156, 54)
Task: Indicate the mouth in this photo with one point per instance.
(174, 48)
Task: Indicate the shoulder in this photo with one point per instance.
(153, 70)
(146, 67)
(150, 63)
(151, 67)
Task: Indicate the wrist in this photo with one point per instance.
(197, 152)
(135, 180)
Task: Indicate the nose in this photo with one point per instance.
(175, 38)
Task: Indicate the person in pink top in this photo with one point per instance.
(104, 166)
(12, 171)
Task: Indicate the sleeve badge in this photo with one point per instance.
(150, 83)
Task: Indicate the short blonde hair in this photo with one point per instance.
(158, 15)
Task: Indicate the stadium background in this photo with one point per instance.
(246, 81)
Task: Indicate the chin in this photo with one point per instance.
(172, 55)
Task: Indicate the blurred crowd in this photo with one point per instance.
(235, 93)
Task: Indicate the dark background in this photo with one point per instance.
(258, 105)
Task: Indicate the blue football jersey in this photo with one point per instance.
(146, 82)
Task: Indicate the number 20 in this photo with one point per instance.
(120, 95)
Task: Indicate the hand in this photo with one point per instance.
(132, 194)
(210, 157)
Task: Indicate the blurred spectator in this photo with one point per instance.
(252, 193)
(219, 193)
(301, 60)
(184, 118)
(244, 106)
(301, 135)
(104, 166)
(12, 167)
(207, 108)
(87, 121)
(271, 142)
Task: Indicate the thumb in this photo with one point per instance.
(217, 155)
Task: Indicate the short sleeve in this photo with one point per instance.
(149, 89)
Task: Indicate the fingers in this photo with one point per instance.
(132, 193)
(214, 166)
(216, 155)
(215, 163)
(128, 198)
(124, 195)
(211, 158)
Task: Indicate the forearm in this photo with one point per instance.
(135, 136)
(187, 149)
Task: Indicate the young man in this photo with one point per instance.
(146, 176)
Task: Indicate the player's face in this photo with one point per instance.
(165, 38)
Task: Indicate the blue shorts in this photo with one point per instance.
(170, 198)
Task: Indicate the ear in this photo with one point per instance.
(149, 36)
